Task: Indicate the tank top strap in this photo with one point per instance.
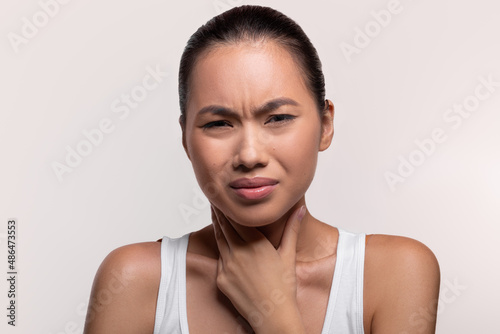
(344, 313)
(171, 310)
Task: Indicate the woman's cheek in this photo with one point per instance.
(303, 144)
(212, 175)
(304, 155)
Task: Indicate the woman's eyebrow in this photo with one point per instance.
(265, 108)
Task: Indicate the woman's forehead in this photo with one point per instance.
(235, 54)
(245, 68)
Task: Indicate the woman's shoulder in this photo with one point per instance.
(125, 286)
(402, 276)
(141, 258)
(389, 251)
(134, 261)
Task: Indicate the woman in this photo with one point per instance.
(253, 118)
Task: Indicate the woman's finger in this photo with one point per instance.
(239, 234)
(288, 243)
(220, 266)
(234, 237)
(219, 234)
(231, 236)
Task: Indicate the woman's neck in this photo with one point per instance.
(313, 241)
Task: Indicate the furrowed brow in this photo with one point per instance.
(217, 110)
(265, 108)
(275, 104)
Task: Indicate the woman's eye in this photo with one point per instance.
(280, 118)
(215, 124)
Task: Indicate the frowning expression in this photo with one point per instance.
(253, 131)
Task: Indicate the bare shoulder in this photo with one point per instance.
(402, 278)
(390, 250)
(124, 292)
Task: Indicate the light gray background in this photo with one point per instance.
(136, 183)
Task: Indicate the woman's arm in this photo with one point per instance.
(123, 297)
(402, 285)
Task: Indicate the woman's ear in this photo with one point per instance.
(183, 129)
(327, 126)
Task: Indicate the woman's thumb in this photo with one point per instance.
(291, 232)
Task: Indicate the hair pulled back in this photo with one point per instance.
(253, 23)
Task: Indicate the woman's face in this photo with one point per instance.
(250, 115)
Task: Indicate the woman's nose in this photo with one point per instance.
(251, 149)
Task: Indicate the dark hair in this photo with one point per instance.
(253, 23)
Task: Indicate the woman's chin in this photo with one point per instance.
(255, 223)
(254, 218)
(259, 214)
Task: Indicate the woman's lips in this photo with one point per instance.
(254, 188)
(255, 193)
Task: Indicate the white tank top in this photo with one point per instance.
(344, 313)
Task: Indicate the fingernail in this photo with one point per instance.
(302, 212)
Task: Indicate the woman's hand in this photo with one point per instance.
(260, 280)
